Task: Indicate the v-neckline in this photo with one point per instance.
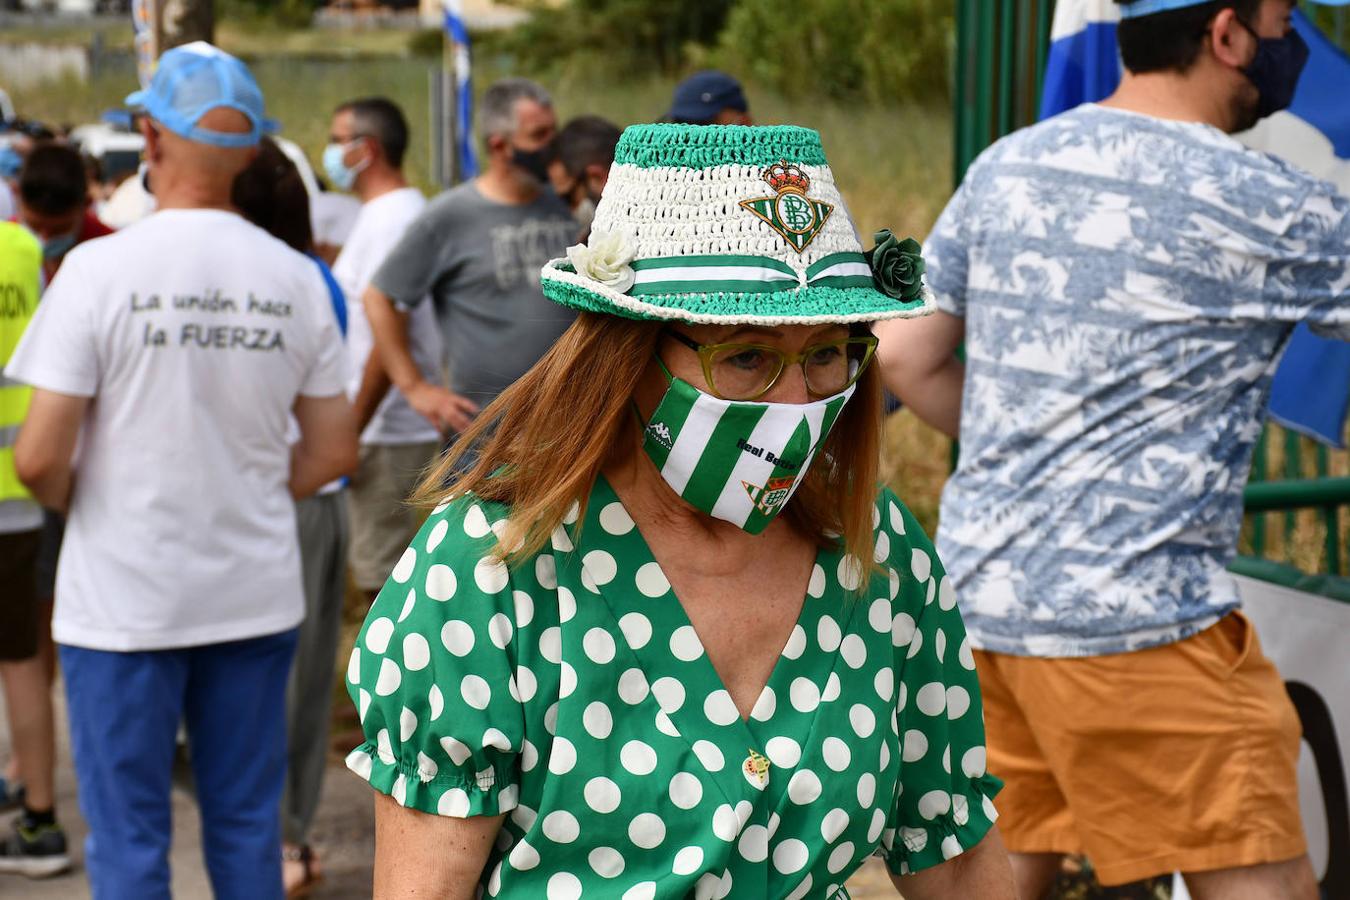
(696, 716)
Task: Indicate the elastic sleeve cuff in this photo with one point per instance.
(963, 826)
(489, 792)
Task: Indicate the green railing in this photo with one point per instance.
(1000, 62)
(1293, 503)
(1294, 499)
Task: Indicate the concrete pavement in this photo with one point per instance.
(343, 836)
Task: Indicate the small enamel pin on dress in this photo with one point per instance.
(756, 770)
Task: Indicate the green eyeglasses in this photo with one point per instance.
(739, 371)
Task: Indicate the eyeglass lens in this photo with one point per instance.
(742, 372)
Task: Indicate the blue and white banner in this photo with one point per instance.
(463, 69)
(1311, 392)
(144, 18)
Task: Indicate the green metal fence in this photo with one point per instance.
(1297, 487)
(1000, 62)
(1294, 501)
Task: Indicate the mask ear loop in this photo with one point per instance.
(670, 379)
(363, 164)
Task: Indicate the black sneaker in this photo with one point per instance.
(36, 852)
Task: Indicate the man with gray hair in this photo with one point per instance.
(477, 250)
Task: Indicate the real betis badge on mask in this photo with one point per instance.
(771, 497)
(739, 461)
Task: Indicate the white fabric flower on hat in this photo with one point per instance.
(606, 259)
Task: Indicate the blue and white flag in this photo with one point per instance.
(1311, 391)
(463, 69)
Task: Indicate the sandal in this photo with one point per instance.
(304, 854)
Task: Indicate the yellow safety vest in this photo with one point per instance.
(20, 279)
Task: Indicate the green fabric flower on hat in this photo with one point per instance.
(897, 266)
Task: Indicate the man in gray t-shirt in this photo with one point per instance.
(477, 250)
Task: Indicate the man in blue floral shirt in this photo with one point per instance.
(1125, 277)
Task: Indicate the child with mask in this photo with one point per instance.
(53, 203)
(585, 151)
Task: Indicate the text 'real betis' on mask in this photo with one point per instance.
(735, 460)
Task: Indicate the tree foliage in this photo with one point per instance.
(879, 50)
(876, 50)
(288, 13)
(645, 33)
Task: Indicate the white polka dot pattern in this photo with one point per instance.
(583, 649)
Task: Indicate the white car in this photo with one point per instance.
(117, 151)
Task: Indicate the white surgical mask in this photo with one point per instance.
(342, 175)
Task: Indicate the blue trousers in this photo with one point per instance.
(125, 709)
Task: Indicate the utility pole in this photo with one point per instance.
(161, 24)
(184, 21)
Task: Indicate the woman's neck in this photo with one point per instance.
(687, 535)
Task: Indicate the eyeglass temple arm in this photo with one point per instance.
(685, 339)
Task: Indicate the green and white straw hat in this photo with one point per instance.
(732, 224)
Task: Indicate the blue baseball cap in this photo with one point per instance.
(1140, 8)
(194, 79)
(700, 97)
(1137, 9)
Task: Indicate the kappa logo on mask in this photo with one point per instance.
(774, 494)
(660, 432)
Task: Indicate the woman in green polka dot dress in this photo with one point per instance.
(664, 637)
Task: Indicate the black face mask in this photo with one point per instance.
(582, 184)
(533, 161)
(1275, 70)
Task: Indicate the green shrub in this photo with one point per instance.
(285, 13)
(878, 50)
(652, 35)
(426, 42)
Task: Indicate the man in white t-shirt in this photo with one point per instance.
(367, 141)
(174, 352)
(334, 217)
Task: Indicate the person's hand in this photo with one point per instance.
(445, 409)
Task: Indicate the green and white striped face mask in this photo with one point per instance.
(736, 460)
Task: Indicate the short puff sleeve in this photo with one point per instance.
(432, 673)
(943, 803)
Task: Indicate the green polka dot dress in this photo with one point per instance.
(571, 693)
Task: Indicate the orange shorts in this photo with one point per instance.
(1175, 758)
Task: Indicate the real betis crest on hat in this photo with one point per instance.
(686, 231)
(792, 213)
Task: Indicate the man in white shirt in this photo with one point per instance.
(174, 352)
(368, 138)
